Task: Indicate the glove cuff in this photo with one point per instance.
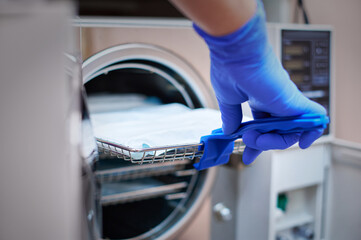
(246, 43)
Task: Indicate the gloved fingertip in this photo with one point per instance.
(249, 155)
(231, 117)
(317, 108)
(307, 138)
(308, 106)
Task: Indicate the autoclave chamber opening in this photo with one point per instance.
(145, 78)
(151, 199)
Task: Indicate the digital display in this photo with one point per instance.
(293, 50)
(293, 64)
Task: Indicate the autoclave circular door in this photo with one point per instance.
(151, 200)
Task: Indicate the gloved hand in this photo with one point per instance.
(245, 68)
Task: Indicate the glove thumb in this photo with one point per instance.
(231, 117)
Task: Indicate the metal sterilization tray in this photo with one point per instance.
(139, 189)
(114, 169)
(158, 154)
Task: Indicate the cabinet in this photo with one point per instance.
(299, 176)
(321, 185)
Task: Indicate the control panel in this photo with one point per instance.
(305, 54)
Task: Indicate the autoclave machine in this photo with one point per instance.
(167, 61)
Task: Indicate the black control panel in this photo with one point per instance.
(306, 57)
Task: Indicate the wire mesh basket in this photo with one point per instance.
(158, 154)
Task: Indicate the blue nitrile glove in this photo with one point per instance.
(245, 68)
